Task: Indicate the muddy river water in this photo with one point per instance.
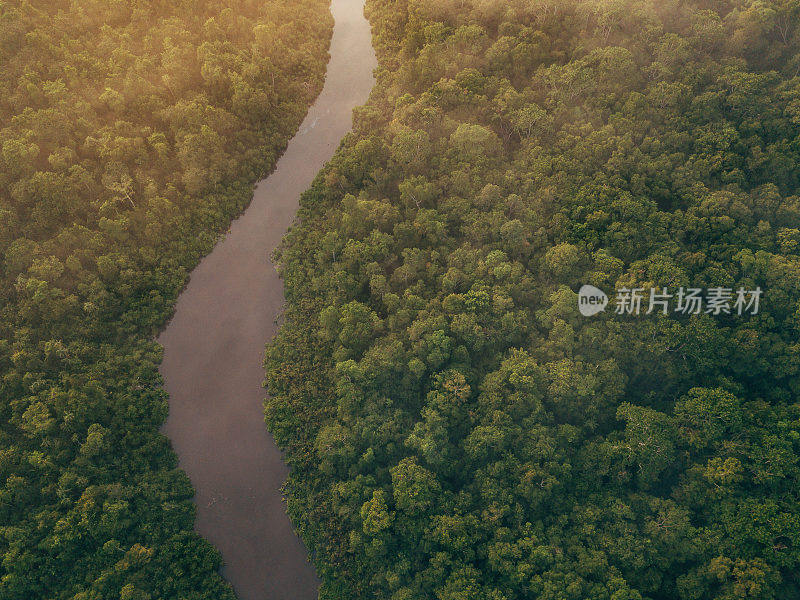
(214, 345)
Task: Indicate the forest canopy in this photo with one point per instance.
(131, 134)
(455, 428)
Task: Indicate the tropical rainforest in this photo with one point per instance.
(131, 133)
(456, 430)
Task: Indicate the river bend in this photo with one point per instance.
(214, 345)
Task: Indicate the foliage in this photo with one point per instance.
(131, 135)
(456, 429)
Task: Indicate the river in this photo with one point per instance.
(214, 345)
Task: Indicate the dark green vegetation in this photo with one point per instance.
(131, 135)
(457, 430)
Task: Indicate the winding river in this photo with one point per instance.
(214, 345)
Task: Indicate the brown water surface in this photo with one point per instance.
(214, 345)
